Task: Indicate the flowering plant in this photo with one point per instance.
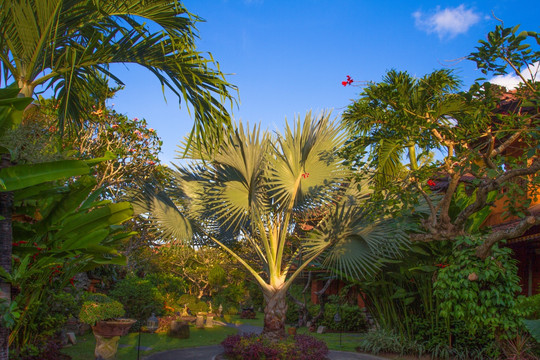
(255, 347)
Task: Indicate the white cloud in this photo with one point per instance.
(511, 81)
(448, 22)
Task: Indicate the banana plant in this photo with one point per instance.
(31, 190)
(59, 231)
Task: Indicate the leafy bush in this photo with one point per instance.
(231, 310)
(139, 297)
(187, 299)
(193, 304)
(233, 294)
(168, 283)
(53, 312)
(435, 340)
(199, 306)
(352, 317)
(253, 347)
(481, 293)
(382, 340)
(100, 307)
(49, 350)
(529, 306)
(291, 316)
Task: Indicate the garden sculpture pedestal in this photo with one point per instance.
(210, 320)
(199, 322)
(179, 330)
(107, 334)
(106, 347)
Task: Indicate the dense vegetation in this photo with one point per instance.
(392, 202)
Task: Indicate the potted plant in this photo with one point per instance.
(105, 316)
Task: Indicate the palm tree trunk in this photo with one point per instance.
(274, 314)
(6, 238)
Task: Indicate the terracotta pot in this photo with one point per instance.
(110, 328)
(291, 331)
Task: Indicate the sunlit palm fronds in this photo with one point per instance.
(257, 187)
(59, 43)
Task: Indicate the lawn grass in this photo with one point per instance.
(84, 349)
(235, 319)
(349, 341)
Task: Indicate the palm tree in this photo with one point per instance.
(255, 192)
(60, 44)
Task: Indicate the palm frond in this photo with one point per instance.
(352, 239)
(55, 42)
(164, 214)
(307, 168)
(387, 160)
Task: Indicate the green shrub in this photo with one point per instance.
(352, 317)
(99, 307)
(199, 306)
(186, 299)
(139, 297)
(435, 339)
(230, 310)
(291, 316)
(481, 293)
(51, 313)
(168, 283)
(194, 305)
(529, 306)
(232, 294)
(382, 340)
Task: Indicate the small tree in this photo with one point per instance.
(253, 193)
(488, 139)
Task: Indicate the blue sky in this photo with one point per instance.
(290, 57)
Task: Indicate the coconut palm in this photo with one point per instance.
(60, 44)
(257, 193)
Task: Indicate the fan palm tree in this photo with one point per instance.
(402, 114)
(255, 192)
(60, 44)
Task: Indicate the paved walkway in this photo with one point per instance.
(209, 352)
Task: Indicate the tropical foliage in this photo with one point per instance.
(65, 44)
(65, 231)
(258, 189)
(486, 138)
(135, 146)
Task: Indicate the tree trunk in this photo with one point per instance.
(322, 300)
(6, 239)
(274, 314)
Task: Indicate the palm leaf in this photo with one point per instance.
(306, 168)
(59, 43)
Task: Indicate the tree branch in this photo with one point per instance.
(526, 223)
(489, 185)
